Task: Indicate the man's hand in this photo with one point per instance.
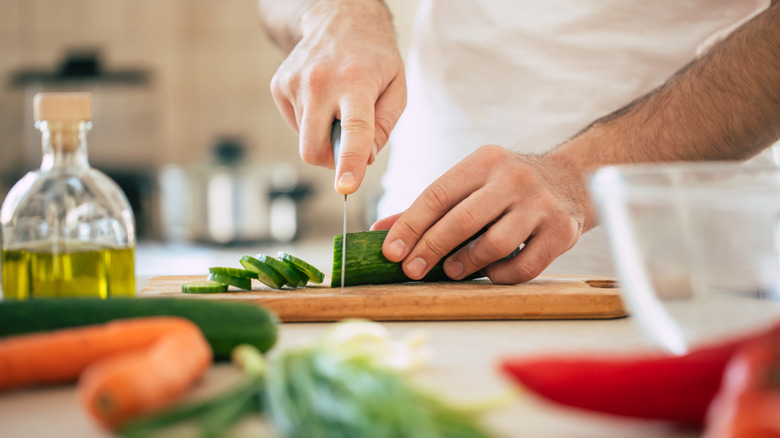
(346, 65)
(535, 201)
(722, 106)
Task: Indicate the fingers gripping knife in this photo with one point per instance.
(335, 139)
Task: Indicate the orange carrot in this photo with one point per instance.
(127, 367)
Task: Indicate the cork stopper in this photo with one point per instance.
(62, 107)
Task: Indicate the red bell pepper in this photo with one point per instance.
(674, 388)
(748, 404)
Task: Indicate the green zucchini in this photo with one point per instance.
(224, 324)
(367, 265)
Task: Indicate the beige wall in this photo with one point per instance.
(211, 66)
(210, 61)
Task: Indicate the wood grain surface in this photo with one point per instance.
(549, 297)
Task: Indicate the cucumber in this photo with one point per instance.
(367, 265)
(244, 283)
(304, 278)
(291, 277)
(265, 273)
(225, 324)
(315, 275)
(203, 287)
(233, 272)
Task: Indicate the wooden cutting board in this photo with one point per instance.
(547, 297)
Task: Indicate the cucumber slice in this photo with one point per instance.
(304, 278)
(265, 273)
(315, 275)
(233, 272)
(203, 287)
(291, 277)
(239, 282)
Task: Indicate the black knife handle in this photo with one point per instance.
(335, 139)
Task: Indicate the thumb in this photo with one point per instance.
(386, 223)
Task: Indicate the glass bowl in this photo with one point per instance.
(695, 246)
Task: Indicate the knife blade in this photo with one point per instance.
(335, 139)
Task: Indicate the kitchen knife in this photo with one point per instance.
(335, 139)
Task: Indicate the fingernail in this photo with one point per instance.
(397, 248)
(346, 181)
(416, 268)
(453, 269)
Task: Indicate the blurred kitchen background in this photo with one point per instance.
(183, 116)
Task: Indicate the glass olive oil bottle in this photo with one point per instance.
(67, 229)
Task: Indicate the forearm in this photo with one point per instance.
(287, 21)
(724, 105)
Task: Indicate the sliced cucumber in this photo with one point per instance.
(291, 276)
(304, 278)
(314, 274)
(239, 282)
(265, 272)
(233, 272)
(203, 287)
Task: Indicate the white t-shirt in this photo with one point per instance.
(528, 75)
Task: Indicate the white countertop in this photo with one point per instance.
(463, 366)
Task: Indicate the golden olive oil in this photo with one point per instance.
(76, 272)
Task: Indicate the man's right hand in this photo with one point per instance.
(345, 66)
